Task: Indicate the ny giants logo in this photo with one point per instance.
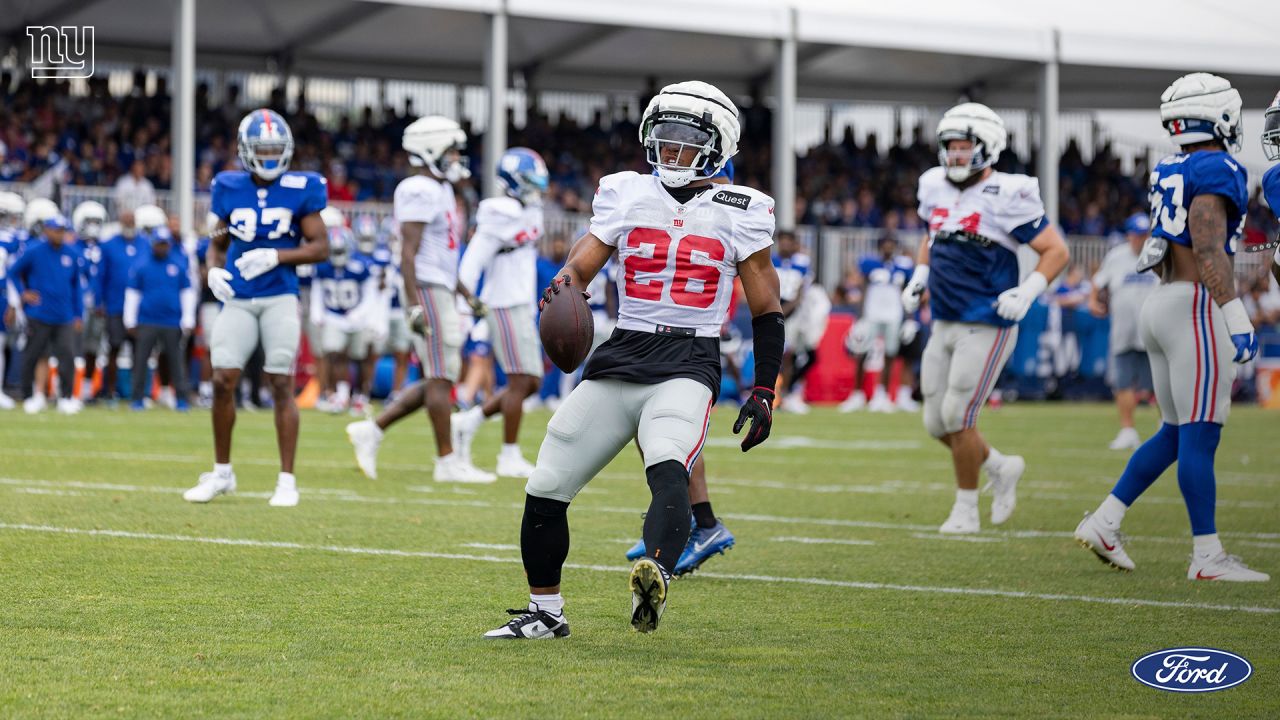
(1191, 670)
(61, 53)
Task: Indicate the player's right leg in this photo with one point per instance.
(593, 424)
(233, 339)
(281, 331)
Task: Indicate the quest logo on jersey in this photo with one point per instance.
(732, 199)
(1191, 670)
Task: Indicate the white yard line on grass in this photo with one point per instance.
(919, 589)
(821, 541)
(957, 538)
(489, 546)
(340, 495)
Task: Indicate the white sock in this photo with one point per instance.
(1206, 546)
(474, 415)
(553, 604)
(1111, 511)
(511, 449)
(967, 498)
(446, 458)
(287, 480)
(994, 458)
(222, 470)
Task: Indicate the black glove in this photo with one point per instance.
(554, 289)
(759, 410)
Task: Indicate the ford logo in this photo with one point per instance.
(1191, 670)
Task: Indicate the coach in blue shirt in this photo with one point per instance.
(47, 277)
(159, 308)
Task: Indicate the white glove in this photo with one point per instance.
(910, 328)
(416, 317)
(220, 284)
(915, 288)
(1014, 302)
(1241, 330)
(257, 262)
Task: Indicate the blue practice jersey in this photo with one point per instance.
(91, 272)
(342, 289)
(793, 275)
(8, 253)
(266, 217)
(388, 268)
(1179, 179)
(1271, 188)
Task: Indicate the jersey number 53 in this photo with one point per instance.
(244, 222)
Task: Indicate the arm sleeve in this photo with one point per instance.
(316, 195)
(132, 300)
(605, 213)
(415, 200)
(1218, 174)
(188, 299)
(480, 252)
(1021, 213)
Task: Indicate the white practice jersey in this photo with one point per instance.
(974, 234)
(504, 248)
(678, 261)
(882, 300)
(420, 198)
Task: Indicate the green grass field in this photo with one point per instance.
(368, 599)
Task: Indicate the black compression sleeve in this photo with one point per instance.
(768, 338)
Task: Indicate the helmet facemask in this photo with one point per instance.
(339, 246)
(268, 159)
(1271, 133)
(962, 163)
(681, 148)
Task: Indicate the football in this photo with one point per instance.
(567, 328)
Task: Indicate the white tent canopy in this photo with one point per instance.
(1090, 54)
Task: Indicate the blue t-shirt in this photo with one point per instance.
(266, 216)
(1271, 188)
(1179, 179)
(161, 283)
(342, 289)
(55, 274)
(119, 255)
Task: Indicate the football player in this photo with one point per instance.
(11, 208)
(795, 274)
(1271, 179)
(87, 220)
(681, 240)
(977, 218)
(882, 319)
(504, 248)
(1193, 324)
(430, 231)
(344, 295)
(268, 223)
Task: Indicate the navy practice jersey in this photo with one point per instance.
(342, 289)
(266, 217)
(1178, 179)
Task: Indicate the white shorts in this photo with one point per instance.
(440, 352)
(336, 339)
(600, 417)
(243, 322)
(1191, 353)
(397, 339)
(959, 370)
(515, 340)
(208, 316)
(862, 337)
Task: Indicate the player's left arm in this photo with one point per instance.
(1053, 251)
(760, 286)
(314, 247)
(1207, 221)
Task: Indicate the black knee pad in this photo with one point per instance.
(667, 475)
(545, 507)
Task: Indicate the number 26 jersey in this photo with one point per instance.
(677, 262)
(266, 216)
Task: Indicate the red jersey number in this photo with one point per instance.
(688, 271)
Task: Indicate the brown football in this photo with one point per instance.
(567, 328)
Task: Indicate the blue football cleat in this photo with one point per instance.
(137, 406)
(703, 543)
(637, 551)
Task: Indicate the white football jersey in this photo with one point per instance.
(992, 208)
(420, 198)
(504, 248)
(678, 261)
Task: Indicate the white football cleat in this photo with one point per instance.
(462, 430)
(1104, 541)
(69, 406)
(286, 494)
(6, 402)
(963, 521)
(794, 403)
(649, 584)
(1223, 567)
(880, 402)
(514, 465)
(366, 437)
(855, 402)
(34, 404)
(1003, 483)
(1126, 439)
(211, 485)
(455, 469)
(906, 403)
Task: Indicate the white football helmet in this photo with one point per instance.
(37, 212)
(88, 219)
(1271, 130)
(12, 207)
(978, 123)
(691, 115)
(1202, 107)
(436, 142)
(149, 217)
(333, 217)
